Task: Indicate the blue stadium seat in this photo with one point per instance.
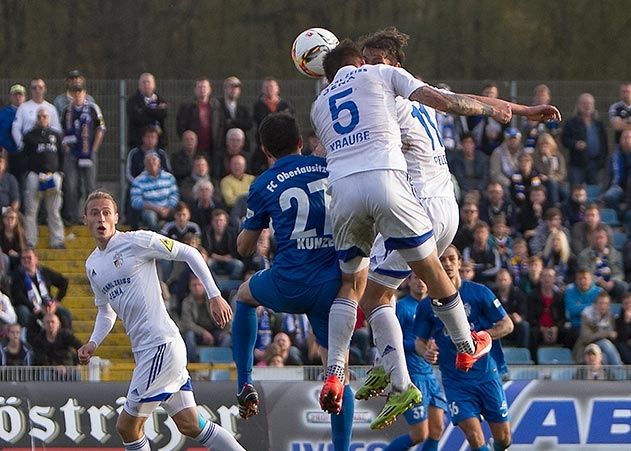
(517, 356)
(610, 217)
(619, 240)
(210, 354)
(554, 356)
(593, 192)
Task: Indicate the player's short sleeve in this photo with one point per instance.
(402, 82)
(256, 215)
(423, 320)
(151, 245)
(491, 306)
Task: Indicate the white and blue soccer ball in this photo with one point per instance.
(310, 48)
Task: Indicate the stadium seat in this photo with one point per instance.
(554, 356)
(517, 356)
(619, 240)
(523, 374)
(210, 354)
(593, 192)
(610, 217)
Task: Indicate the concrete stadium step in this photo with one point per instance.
(52, 256)
(83, 326)
(80, 290)
(66, 266)
(82, 302)
(77, 230)
(115, 353)
(82, 314)
(113, 339)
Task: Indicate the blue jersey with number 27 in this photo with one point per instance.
(291, 195)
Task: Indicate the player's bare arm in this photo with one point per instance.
(246, 242)
(220, 310)
(502, 328)
(450, 102)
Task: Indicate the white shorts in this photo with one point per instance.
(381, 201)
(160, 372)
(390, 268)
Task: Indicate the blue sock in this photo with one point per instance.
(244, 328)
(401, 443)
(342, 424)
(484, 447)
(498, 446)
(430, 445)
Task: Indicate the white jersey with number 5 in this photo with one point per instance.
(424, 150)
(355, 118)
(124, 275)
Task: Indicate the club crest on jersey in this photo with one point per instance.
(118, 260)
(167, 243)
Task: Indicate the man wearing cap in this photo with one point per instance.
(26, 115)
(17, 95)
(154, 193)
(64, 99)
(84, 128)
(505, 158)
(237, 115)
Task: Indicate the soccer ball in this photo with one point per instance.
(309, 50)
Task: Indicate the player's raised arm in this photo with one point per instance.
(533, 112)
(105, 319)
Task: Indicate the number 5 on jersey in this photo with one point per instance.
(346, 105)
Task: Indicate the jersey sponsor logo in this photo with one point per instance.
(387, 350)
(167, 243)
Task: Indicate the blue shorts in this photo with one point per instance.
(477, 399)
(432, 396)
(286, 297)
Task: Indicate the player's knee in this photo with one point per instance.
(436, 430)
(129, 432)
(245, 295)
(188, 426)
(418, 435)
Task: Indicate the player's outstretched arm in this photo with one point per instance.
(533, 112)
(450, 102)
(105, 319)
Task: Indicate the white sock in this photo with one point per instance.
(217, 438)
(454, 317)
(142, 444)
(389, 341)
(342, 318)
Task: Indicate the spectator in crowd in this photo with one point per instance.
(313, 146)
(517, 264)
(619, 186)
(598, 326)
(577, 296)
(531, 215)
(9, 187)
(84, 129)
(205, 116)
(17, 95)
(573, 208)
(200, 171)
(297, 328)
(197, 325)
(146, 108)
(31, 288)
(469, 217)
(64, 99)
(581, 231)
(620, 111)
(235, 145)
(291, 354)
(177, 230)
(593, 368)
(471, 168)
(44, 163)
(585, 138)
(7, 314)
(514, 302)
(558, 255)
(236, 114)
(54, 346)
(182, 160)
(220, 240)
(546, 312)
(135, 163)
(154, 194)
(27, 114)
(551, 168)
(523, 180)
(204, 202)
(552, 220)
(495, 204)
(268, 325)
(533, 129)
(467, 271)
(486, 260)
(623, 330)
(486, 130)
(237, 182)
(12, 236)
(15, 352)
(269, 102)
(530, 281)
(504, 159)
(501, 240)
(604, 262)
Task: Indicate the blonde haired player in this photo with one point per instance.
(123, 276)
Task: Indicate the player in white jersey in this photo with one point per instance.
(123, 276)
(424, 152)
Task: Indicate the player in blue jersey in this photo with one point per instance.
(479, 391)
(427, 418)
(305, 276)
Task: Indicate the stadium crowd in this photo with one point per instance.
(545, 217)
